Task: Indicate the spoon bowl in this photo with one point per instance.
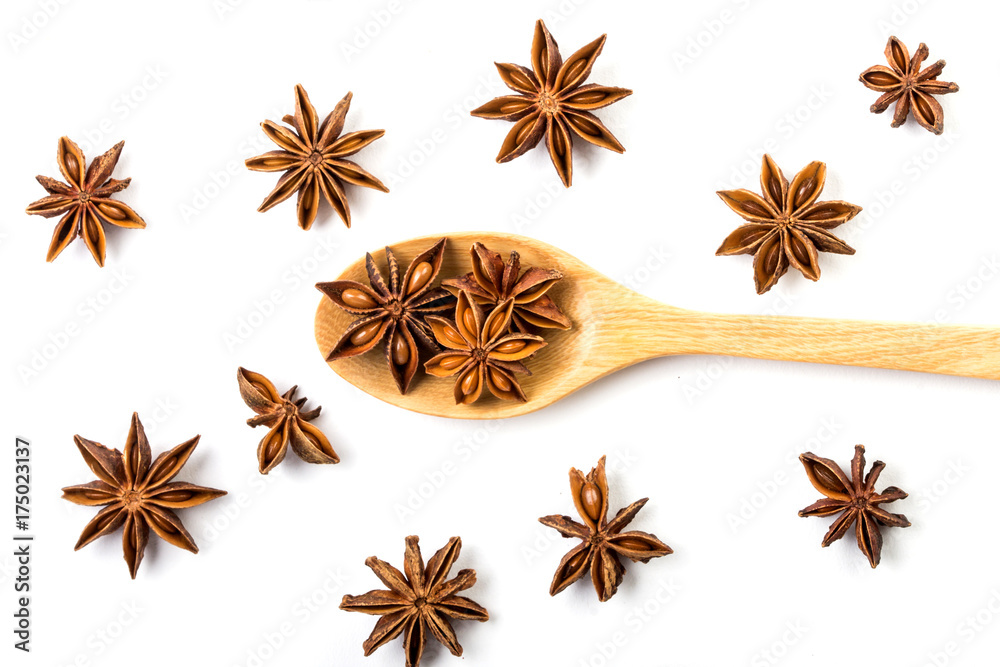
(615, 327)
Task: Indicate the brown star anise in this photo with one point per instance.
(85, 201)
(288, 423)
(908, 86)
(492, 282)
(138, 494)
(419, 601)
(392, 313)
(481, 351)
(312, 157)
(787, 226)
(552, 103)
(855, 500)
(603, 541)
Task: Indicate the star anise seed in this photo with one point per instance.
(85, 201)
(312, 157)
(602, 541)
(911, 88)
(492, 282)
(787, 226)
(481, 351)
(392, 313)
(419, 602)
(287, 422)
(551, 102)
(854, 499)
(138, 495)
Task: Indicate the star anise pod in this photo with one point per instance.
(602, 542)
(552, 103)
(481, 351)
(392, 313)
(492, 282)
(787, 226)
(909, 87)
(138, 494)
(854, 499)
(419, 602)
(312, 157)
(289, 424)
(85, 201)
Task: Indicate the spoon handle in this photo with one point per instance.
(949, 350)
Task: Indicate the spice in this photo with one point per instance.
(492, 282)
(138, 495)
(312, 157)
(854, 500)
(393, 313)
(552, 103)
(602, 542)
(419, 602)
(84, 201)
(910, 88)
(481, 352)
(287, 422)
(787, 226)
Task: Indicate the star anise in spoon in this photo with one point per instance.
(419, 602)
(492, 282)
(312, 157)
(551, 102)
(85, 201)
(911, 88)
(481, 351)
(854, 499)
(787, 226)
(393, 312)
(602, 542)
(288, 423)
(138, 494)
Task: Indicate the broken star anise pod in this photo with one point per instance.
(787, 226)
(312, 157)
(138, 494)
(551, 102)
(481, 351)
(492, 282)
(287, 422)
(602, 542)
(419, 602)
(910, 88)
(85, 200)
(854, 499)
(392, 313)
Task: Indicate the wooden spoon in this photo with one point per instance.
(614, 327)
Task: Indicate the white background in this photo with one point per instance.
(713, 442)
